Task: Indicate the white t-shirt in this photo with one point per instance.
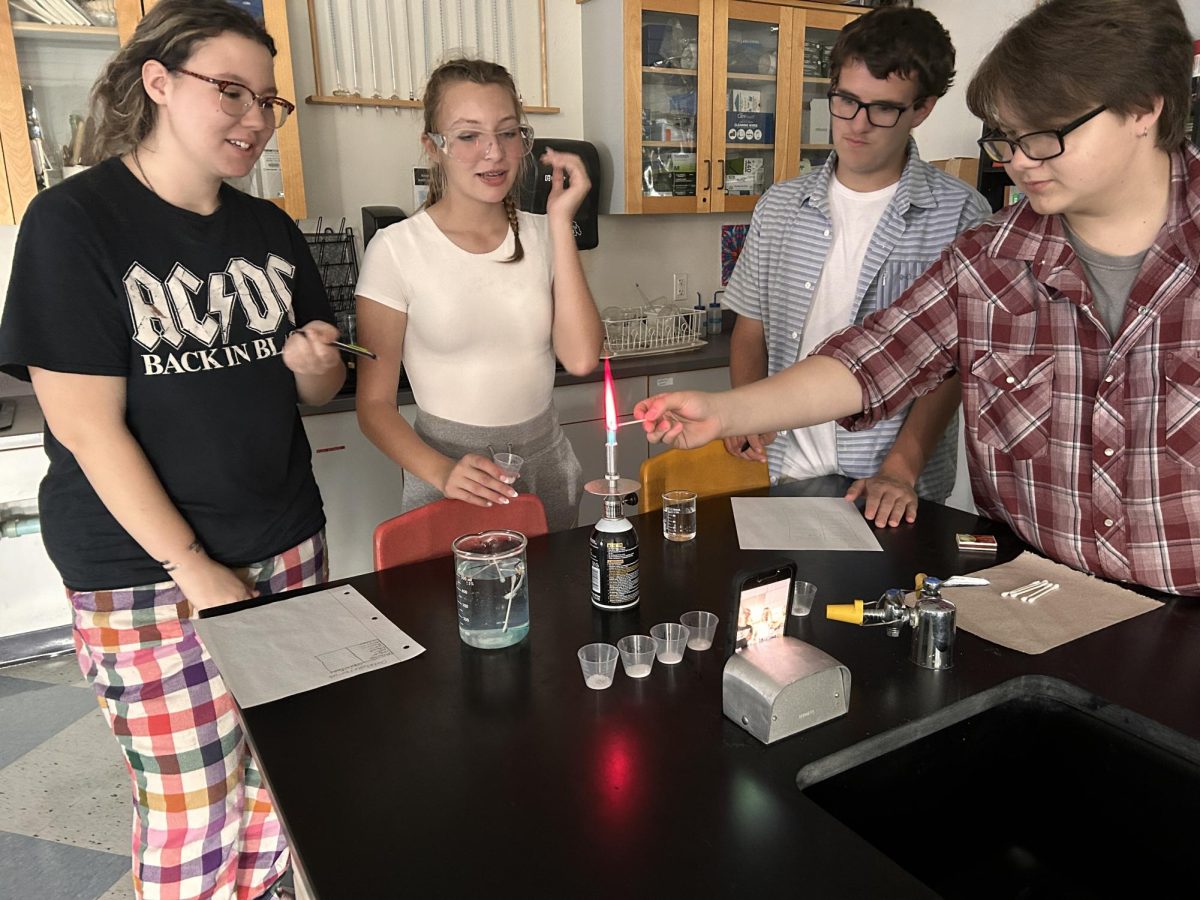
(477, 348)
(812, 451)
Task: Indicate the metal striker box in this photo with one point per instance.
(778, 687)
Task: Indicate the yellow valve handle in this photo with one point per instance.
(920, 581)
(845, 612)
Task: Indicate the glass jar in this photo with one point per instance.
(492, 590)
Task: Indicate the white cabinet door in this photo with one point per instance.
(359, 485)
(696, 380)
(32, 597)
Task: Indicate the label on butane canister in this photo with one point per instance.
(614, 568)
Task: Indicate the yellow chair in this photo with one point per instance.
(707, 470)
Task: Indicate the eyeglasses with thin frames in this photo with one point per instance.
(1036, 145)
(881, 115)
(236, 99)
(470, 145)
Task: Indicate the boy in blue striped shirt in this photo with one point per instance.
(829, 247)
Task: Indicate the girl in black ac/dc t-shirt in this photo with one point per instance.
(170, 326)
(190, 314)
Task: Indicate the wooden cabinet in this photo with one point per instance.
(51, 68)
(711, 104)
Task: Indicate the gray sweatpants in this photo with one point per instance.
(551, 470)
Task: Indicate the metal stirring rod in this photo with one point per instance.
(371, 49)
(333, 39)
(412, 78)
(391, 35)
(355, 88)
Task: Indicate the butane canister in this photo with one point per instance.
(614, 550)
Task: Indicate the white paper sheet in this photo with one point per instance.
(801, 523)
(301, 643)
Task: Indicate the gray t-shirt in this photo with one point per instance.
(1110, 278)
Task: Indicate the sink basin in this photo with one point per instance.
(1033, 789)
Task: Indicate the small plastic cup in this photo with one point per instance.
(637, 654)
(679, 515)
(669, 638)
(803, 595)
(599, 664)
(701, 627)
(510, 463)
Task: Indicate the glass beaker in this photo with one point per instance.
(492, 590)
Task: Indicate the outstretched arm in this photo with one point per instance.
(814, 390)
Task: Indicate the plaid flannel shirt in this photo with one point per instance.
(1087, 446)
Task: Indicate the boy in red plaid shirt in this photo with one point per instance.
(1068, 316)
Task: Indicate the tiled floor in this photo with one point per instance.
(65, 811)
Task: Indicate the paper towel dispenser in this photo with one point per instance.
(536, 187)
(376, 217)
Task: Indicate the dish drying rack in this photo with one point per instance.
(333, 252)
(649, 330)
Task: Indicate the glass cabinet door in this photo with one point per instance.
(814, 40)
(816, 141)
(674, 172)
(746, 124)
(48, 73)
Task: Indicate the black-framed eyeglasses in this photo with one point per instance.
(881, 115)
(1036, 145)
(236, 99)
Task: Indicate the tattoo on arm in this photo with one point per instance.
(168, 566)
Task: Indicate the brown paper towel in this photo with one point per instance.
(1082, 604)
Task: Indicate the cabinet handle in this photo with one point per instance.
(721, 172)
(708, 175)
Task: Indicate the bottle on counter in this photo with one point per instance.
(714, 315)
(614, 550)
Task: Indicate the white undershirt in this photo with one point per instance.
(477, 346)
(813, 451)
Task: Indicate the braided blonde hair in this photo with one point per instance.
(475, 71)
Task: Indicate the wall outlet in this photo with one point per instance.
(680, 293)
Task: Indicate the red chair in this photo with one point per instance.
(428, 531)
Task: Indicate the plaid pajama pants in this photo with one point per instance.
(203, 824)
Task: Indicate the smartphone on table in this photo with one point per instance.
(763, 598)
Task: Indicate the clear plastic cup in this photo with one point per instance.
(637, 654)
(670, 639)
(701, 627)
(509, 463)
(599, 664)
(803, 595)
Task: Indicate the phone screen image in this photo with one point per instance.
(762, 612)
